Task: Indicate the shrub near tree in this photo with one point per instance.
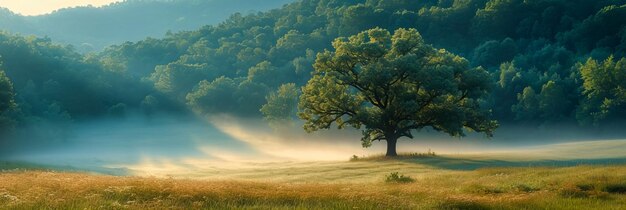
(389, 86)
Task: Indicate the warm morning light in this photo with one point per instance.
(39, 7)
(313, 104)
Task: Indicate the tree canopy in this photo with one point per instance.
(390, 85)
(537, 47)
(282, 104)
(604, 90)
(7, 101)
(537, 53)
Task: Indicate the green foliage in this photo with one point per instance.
(282, 104)
(7, 102)
(522, 45)
(7, 95)
(604, 90)
(493, 53)
(176, 78)
(553, 101)
(592, 33)
(395, 177)
(528, 105)
(225, 95)
(53, 86)
(213, 96)
(392, 85)
(536, 47)
(265, 73)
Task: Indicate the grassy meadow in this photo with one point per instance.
(582, 175)
(357, 184)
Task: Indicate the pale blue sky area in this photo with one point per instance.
(38, 7)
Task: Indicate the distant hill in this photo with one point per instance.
(91, 28)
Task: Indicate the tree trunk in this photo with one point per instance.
(391, 147)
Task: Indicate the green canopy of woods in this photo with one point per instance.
(549, 61)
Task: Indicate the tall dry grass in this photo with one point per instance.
(580, 187)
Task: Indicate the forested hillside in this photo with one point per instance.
(89, 28)
(547, 61)
(550, 61)
(42, 82)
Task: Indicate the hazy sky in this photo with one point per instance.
(37, 7)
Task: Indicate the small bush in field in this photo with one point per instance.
(398, 178)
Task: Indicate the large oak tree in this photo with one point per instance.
(389, 86)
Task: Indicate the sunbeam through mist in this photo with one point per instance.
(162, 146)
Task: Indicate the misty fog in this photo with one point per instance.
(168, 144)
(90, 91)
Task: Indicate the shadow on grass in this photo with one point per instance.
(453, 163)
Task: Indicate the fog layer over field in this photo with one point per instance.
(161, 145)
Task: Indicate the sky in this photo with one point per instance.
(38, 7)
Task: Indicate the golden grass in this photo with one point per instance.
(580, 187)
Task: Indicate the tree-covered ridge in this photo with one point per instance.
(46, 82)
(547, 58)
(530, 48)
(93, 28)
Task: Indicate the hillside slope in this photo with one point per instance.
(90, 28)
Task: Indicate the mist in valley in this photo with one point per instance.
(163, 145)
(230, 84)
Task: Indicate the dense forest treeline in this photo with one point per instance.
(45, 82)
(551, 61)
(93, 28)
